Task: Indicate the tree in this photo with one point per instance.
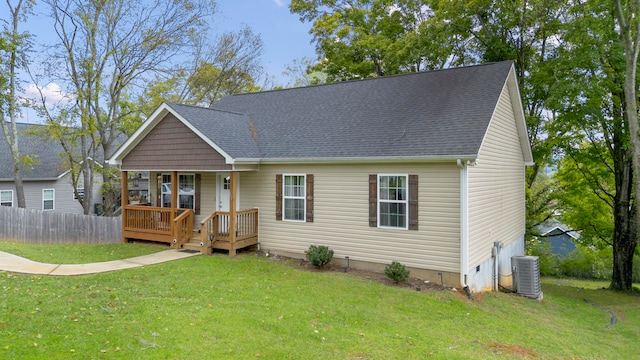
(228, 65)
(13, 46)
(106, 46)
(367, 38)
(628, 24)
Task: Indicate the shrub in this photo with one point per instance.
(397, 272)
(319, 256)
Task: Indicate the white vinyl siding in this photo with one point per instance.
(6, 198)
(496, 187)
(341, 216)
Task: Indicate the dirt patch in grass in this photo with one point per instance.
(502, 349)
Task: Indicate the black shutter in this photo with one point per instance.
(198, 181)
(309, 197)
(373, 200)
(413, 202)
(278, 196)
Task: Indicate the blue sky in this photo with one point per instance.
(285, 37)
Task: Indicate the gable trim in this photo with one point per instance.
(511, 84)
(149, 124)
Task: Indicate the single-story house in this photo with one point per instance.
(427, 169)
(47, 183)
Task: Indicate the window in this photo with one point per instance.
(48, 199)
(294, 193)
(6, 198)
(79, 188)
(294, 197)
(186, 191)
(393, 201)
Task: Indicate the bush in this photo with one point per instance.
(397, 272)
(319, 256)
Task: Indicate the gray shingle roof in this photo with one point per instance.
(428, 114)
(230, 131)
(44, 151)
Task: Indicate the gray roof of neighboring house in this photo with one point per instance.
(46, 151)
(426, 114)
(548, 227)
(43, 150)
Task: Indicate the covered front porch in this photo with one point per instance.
(164, 220)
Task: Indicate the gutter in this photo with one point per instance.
(354, 159)
(464, 225)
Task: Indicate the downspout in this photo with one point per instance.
(464, 226)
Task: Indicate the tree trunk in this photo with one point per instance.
(629, 27)
(11, 134)
(624, 234)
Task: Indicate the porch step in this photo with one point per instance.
(193, 244)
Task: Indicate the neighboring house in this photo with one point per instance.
(427, 169)
(47, 185)
(561, 239)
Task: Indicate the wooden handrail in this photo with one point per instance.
(217, 224)
(182, 227)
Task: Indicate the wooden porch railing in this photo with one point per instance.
(157, 224)
(182, 227)
(216, 230)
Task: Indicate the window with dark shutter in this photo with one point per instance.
(393, 201)
(294, 197)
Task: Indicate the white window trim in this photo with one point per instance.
(405, 201)
(79, 187)
(10, 191)
(285, 197)
(162, 193)
(53, 199)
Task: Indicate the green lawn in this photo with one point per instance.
(208, 307)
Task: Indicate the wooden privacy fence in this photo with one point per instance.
(52, 227)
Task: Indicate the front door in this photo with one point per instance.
(223, 182)
(223, 191)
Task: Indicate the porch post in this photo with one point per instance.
(124, 201)
(232, 214)
(174, 200)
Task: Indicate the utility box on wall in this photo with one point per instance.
(526, 271)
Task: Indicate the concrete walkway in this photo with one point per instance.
(14, 263)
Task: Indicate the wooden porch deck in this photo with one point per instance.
(176, 227)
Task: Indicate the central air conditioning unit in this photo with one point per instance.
(526, 271)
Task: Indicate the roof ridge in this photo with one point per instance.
(374, 78)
